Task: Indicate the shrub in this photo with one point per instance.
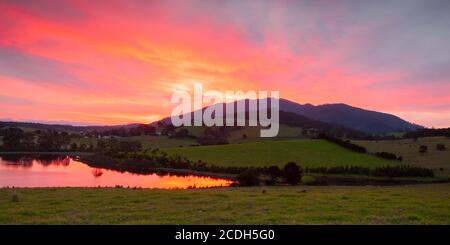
(292, 173)
(423, 149)
(386, 155)
(308, 180)
(274, 172)
(249, 177)
(440, 147)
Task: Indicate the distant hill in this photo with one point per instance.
(62, 127)
(350, 117)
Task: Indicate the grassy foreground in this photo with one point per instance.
(421, 204)
(305, 152)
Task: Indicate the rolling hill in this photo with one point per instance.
(305, 152)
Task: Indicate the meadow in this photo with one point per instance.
(305, 152)
(439, 161)
(419, 204)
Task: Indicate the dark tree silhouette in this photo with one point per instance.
(292, 173)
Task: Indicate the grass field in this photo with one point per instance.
(307, 153)
(146, 140)
(424, 204)
(409, 150)
(160, 141)
(253, 134)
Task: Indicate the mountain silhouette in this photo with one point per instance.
(350, 117)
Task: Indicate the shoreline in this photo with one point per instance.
(125, 166)
(144, 167)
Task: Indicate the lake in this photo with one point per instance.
(64, 171)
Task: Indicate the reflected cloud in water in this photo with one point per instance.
(64, 171)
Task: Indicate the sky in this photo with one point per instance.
(115, 62)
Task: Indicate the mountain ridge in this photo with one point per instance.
(368, 121)
(339, 114)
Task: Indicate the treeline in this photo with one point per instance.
(344, 143)
(386, 171)
(357, 148)
(16, 139)
(142, 129)
(389, 156)
(114, 146)
(147, 161)
(290, 174)
(428, 132)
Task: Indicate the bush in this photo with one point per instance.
(249, 177)
(423, 149)
(274, 172)
(386, 155)
(308, 180)
(440, 147)
(292, 173)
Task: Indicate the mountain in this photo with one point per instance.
(350, 117)
(331, 117)
(338, 116)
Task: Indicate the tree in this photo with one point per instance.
(180, 133)
(440, 147)
(83, 147)
(423, 149)
(12, 138)
(168, 129)
(304, 132)
(214, 136)
(28, 142)
(47, 142)
(249, 177)
(274, 171)
(292, 173)
(73, 146)
(142, 130)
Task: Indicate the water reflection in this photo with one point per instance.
(29, 160)
(63, 171)
(97, 172)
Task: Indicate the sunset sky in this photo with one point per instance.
(114, 62)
